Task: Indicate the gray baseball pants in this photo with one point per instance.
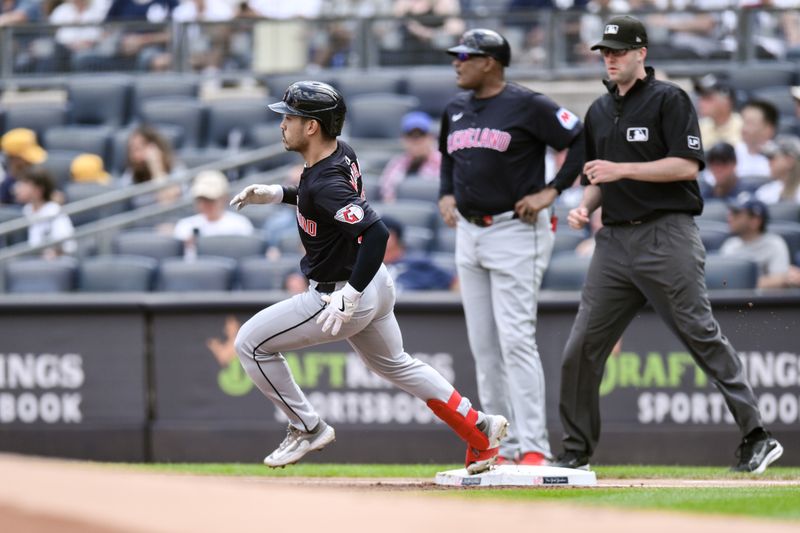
(500, 270)
(373, 333)
(661, 262)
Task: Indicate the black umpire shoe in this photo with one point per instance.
(756, 452)
(572, 459)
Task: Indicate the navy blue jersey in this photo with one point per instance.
(493, 149)
(332, 212)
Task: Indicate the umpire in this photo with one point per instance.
(493, 140)
(643, 152)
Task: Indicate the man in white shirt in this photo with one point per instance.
(759, 124)
(210, 192)
(748, 221)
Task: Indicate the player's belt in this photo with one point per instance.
(484, 221)
(326, 287)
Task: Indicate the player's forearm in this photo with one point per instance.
(370, 255)
(572, 166)
(289, 195)
(662, 170)
(592, 197)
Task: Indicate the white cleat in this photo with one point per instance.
(481, 461)
(298, 443)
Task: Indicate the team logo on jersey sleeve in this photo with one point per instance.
(638, 135)
(693, 142)
(350, 214)
(567, 118)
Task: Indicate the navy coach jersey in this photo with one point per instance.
(493, 149)
(332, 212)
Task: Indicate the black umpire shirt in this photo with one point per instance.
(332, 213)
(493, 148)
(653, 120)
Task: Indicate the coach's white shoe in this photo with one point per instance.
(298, 443)
(496, 429)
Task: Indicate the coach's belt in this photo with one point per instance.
(484, 221)
(326, 287)
(649, 218)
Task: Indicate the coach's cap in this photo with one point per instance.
(21, 142)
(754, 207)
(711, 83)
(88, 168)
(782, 144)
(211, 184)
(721, 152)
(416, 120)
(623, 32)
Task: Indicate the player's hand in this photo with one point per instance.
(447, 207)
(528, 207)
(578, 218)
(341, 306)
(258, 194)
(601, 171)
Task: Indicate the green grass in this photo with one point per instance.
(777, 502)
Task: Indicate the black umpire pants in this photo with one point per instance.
(663, 262)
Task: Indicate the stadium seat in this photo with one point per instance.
(12, 212)
(58, 163)
(434, 88)
(445, 261)
(146, 243)
(566, 273)
(567, 239)
(715, 210)
(233, 246)
(260, 273)
(160, 86)
(790, 231)
(117, 273)
(758, 77)
(41, 275)
(446, 239)
(418, 189)
(202, 274)
(89, 139)
(369, 82)
(780, 97)
(713, 235)
(189, 115)
(730, 273)
(378, 116)
(785, 211)
(410, 213)
(227, 117)
(76, 192)
(753, 182)
(99, 100)
(37, 117)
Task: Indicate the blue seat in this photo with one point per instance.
(418, 189)
(117, 273)
(567, 240)
(160, 86)
(730, 273)
(189, 115)
(434, 88)
(368, 82)
(99, 100)
(233, 246)
(566, 272)
(202, 274)
(231, 121)
(790, 231)
(41, 275)
(260, 273)
(37, 117)
(83, 139)
(378, 116)
(147, 244)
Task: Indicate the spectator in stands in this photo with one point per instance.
(210, 192)
(35, 187)
(720, 180)
(759, 124)
(420, 158)
(784, 164)
(16, 12)
(748, 221)
(283, 222)
(77, 40)
(150, 158)
(148, 47)
(88, 168)
(716, 106)
(21, 151)
(428, 26)
(208, 45)
(412, 272)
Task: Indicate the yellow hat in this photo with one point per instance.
(87, 168)
(21, 142)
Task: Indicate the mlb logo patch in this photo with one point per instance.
(638, 135)
(567, 118)
(693, 142)
(612, 29)
(350, 214)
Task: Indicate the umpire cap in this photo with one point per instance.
(317, 100)
(623, 33)
(483, 42)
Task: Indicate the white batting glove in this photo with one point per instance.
(341, 306)
(258, 194)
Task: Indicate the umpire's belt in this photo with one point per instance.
(484, 221)
(326, 287)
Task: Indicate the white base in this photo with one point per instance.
(518, 476)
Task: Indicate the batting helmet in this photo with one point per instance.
(317, 100)
(483, 42)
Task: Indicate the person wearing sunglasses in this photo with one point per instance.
(493, 139)
(643, 152)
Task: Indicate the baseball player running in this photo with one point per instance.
(493, 141)
(351, 295)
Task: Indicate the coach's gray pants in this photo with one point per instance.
(500, 270)
(373, 333)
(661, 262)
